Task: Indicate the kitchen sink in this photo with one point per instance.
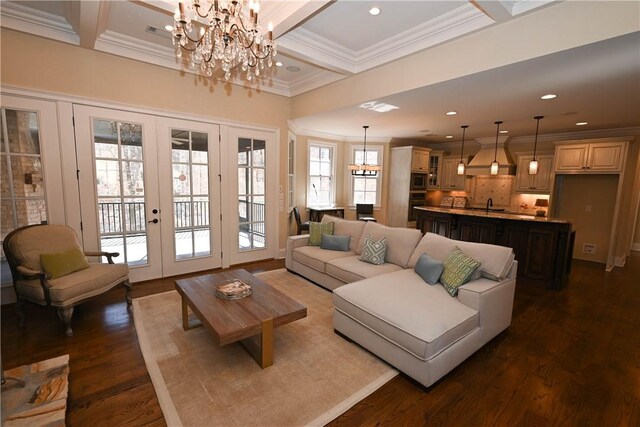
(484, 209)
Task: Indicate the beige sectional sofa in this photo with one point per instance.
(391, 311)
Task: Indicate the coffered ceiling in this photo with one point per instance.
(321, 42)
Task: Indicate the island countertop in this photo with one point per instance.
(500, 215)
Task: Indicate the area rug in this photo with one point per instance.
(316, 375)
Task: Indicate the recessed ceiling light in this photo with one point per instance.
(582, 123)
(548, 96)
(168, 27)
(380, 107)
(451, 113)
(374, 11)
(293, 68)
(278, 64)
(449, 136)
(504, 131)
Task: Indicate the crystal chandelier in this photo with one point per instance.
(226, 37)
(364, 169)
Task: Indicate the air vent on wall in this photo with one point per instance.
(158, 32)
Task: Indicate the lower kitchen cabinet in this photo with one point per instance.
(542, 248)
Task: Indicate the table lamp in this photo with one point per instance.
(542, 203)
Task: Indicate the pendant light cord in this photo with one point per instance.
(535, 143)
(495, 153)
(464, 128)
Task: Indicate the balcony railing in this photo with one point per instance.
(135, 220)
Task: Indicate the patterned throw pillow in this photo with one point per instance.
(316, 230)
(458, 269)
(373, 251)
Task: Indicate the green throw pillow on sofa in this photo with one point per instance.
(316, 230)
(458, 269)
(60, 264)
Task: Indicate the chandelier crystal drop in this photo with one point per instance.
(364, 169)
(213, 34)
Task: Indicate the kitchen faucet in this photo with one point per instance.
(489, 203)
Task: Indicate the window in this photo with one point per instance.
(321, 190)
(366, 189)
(291, 173)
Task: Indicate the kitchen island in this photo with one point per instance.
(543, 246)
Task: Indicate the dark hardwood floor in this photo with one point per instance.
(569, 358)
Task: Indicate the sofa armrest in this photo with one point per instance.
(494, 302)
(292, 243)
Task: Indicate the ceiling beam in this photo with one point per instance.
(496, 10)
(88, 20)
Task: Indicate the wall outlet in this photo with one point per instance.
(587, 208)
(589, 248)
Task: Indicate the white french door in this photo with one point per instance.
(253, 195)
(189, 156)
(118, 183)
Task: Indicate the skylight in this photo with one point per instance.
(380, 107)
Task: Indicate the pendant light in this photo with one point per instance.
(461, 166)
(364, 169)
(533, 164)
(495, 165)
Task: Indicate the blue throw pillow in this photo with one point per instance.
(429, 269)
(335, 243)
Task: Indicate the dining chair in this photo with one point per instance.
(301, 226)
(364, 212)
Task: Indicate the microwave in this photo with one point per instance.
(419, 181)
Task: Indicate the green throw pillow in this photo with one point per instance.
(458, 269)
(316, 230)
(60, 264)
(373, 251)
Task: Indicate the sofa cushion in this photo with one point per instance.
(373, 251)
(351, 269)
(458, 269)
(316, 230)
(335, 243)
(350, 228)
(429, 269)
(495, 261)
(77, 285)
(316, 257)
(400, 241)
(58, 264)
(423, 320)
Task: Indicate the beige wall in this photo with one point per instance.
(40, 64)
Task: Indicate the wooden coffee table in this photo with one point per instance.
(250, 320)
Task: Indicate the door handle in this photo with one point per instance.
(154, 220)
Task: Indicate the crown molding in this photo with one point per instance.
(455, 23)
(522, 6)
(36, 22)
(633, 131)
(319, 50)
(312, 81)
(298, 131)
(336, 57)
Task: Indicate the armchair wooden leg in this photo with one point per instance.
(127, 287)
(65, 314)
(20, 311)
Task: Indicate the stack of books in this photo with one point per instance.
(233, 289)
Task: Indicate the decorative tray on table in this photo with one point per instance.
(233, 289)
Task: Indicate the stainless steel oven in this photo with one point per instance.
(416, 199)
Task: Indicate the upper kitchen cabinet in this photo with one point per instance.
(538, 183)
(591, 157)
(420, 160)
(450, 179)
(435, 170)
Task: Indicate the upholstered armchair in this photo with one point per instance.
(50, 268)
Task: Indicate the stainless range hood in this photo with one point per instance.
(481, 162)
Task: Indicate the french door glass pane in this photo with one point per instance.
(120, 187)
(251, 193)
(23, 194)
(190, 154)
